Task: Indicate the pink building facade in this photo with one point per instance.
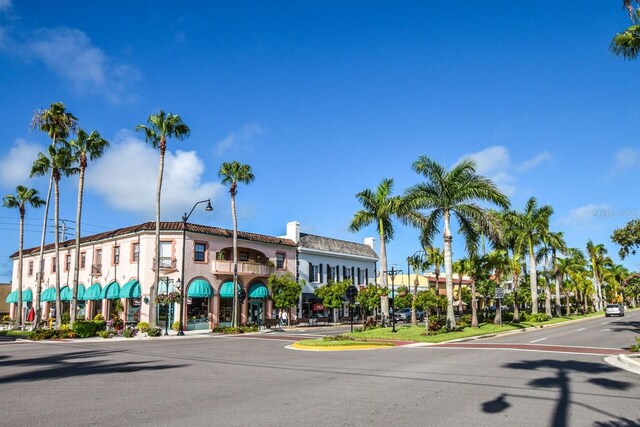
(117, 274)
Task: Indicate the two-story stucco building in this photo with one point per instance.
(117, 272)
(323, 259)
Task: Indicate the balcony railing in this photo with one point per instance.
(243, 268)
(96, 269)
(166, 264)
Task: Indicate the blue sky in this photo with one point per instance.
(324, 99)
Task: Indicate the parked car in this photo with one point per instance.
(404, 315)
(614, 310)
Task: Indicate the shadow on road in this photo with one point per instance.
(76, 364)
(622, 326)
(560, 379)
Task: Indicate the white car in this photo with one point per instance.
(614, 310)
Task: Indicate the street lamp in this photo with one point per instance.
(185, 218)
(393, 273)
(166, 319)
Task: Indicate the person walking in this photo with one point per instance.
(285, 318)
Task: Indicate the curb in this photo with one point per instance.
(626, 362)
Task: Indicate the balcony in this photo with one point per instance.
(226, 267)
(96, 269)
(167, 265)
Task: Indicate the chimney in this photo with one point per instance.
(293, 231)
(370, 241)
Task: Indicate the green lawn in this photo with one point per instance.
(416, 333)
(18, 334)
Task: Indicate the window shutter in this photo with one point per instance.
(344, 271)
(359, 283)
(366, 276)
(337, 273)
(353, 278)
(311, 278)
(321, 274)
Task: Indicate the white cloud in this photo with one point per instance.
(626, 159)
(535, 161)
(127, 177)
(585, 216)
(246, 133)
(495, 162)
(16, 166)
(5, 5)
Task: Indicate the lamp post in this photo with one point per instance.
(393, 273)
(166, 319)
(185, 218)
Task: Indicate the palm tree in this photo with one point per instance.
(435, 259)
(499, 262)
(597, 257)
(91, 146)
(458, 267)
(531, 224)
(627, 43)
(455, 193)
(232, 173)
(24, 196)
(419, 265)
(158, 129)
(552, 243)
(379, 208)
(60, 161)
(57, 123)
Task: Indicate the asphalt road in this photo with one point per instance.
(242, 381)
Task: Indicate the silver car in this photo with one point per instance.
(614, 310)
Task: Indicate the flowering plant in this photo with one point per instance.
(169, 298)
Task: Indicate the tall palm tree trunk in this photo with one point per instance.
(19, 314)
(448, 270)
(156, 284)
(460, 296)
(516, 309)
(414, 318)
(533, 280)
(39, 277)
(76, 269)
(474, 304)
(57, 248)
(558, 304)
(384, 299)
(236, 318)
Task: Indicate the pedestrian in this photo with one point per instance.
(285, 318)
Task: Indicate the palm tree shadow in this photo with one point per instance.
(76, 364)
(562, 381)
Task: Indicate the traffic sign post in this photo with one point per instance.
(499, 295)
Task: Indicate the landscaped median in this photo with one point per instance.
(339, 343)
(417, 333)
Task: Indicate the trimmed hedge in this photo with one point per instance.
(88, 328)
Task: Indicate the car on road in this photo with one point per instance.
(614, 310)
(404, 315)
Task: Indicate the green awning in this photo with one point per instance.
(200, 289)
(258, 290)
(94, 293)
(131, 289)
(226, 290)
(111, 291)
(48, 295)
(12, 297)
(66, 293)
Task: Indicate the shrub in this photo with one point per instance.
(154, 331)
(86, 329)
(635, 347)
(66, 318)
(129, 333)
(524, 316)
(6, 318)
(249, 328)
(176, 326)
(105, 334)
(52, 334)
(232, 330)
(507, 317)
(466, 319)
(143, 327)
(538, 317)
(98, 317)
(338, 338)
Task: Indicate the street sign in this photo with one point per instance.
(499, 293)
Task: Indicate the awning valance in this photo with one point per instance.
(27, 296)
(258, 290)
(131, 289)
(226, 290)
(48, 295)
(66, 293)
(94, 292)
(111, 291)
(200, 289)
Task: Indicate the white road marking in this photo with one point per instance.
(604, 323)
(581, 329)
(538, 340)
(605, 330)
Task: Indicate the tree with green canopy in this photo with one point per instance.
(285, 291)
(23, 197)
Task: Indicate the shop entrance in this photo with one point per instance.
(256, 312)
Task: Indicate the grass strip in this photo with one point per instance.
(341, 343)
